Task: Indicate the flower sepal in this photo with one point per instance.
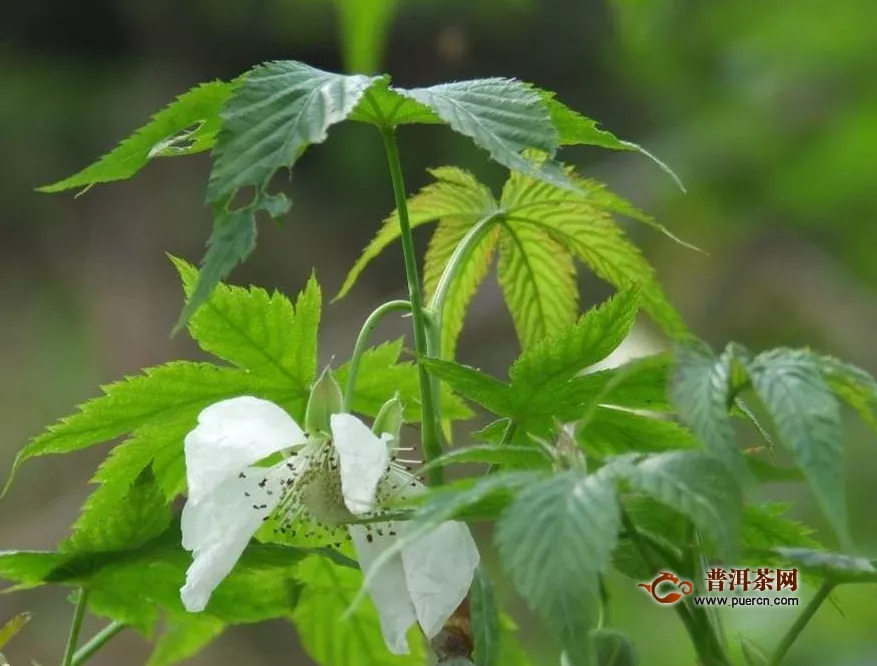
(325, 400)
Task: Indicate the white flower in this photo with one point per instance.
(329, 481)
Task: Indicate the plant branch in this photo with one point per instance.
(75, 627)
(429, 432)
(362, 342)
(802, 621)
(96, 643)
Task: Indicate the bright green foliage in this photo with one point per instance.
(575, 129)
(613, 431)
(692, 483)
(831, 567)
(702, 394)
(486, 622)
(280, 109)
(385, 107)
(11, 629)
(184, 637)
(554, 541)
(381, 375)
(540, 230)
(364, 27)
(328, 592)
(186, 126)
(807, 418)
(852, 385)
(753, 654)
(516, 457)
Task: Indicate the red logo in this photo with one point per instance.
(684, 586)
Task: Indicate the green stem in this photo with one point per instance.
(362, 342)
(706, 644)
(96, 643)
(429, 432)
(802, 621)
(75, 627)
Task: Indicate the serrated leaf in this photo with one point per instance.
(831, 567)
(449, 233)
(257, 331)
(701, 393)
(852, 385)
(554, 541)
(503, 116)
(580, 221)
(280, 108)
(328, 592)
(692, 483)
(184, 637)
(107, 524)
(538, 281)
(486, 626)
(164, 395)
(382, 375)
(807, 419)
(575, 129)
(12, 628)
(385, 106)
(637, 384)
(615, 431)
(186, 126)
(472, 384)
(456, 195)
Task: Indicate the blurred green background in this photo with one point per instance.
(767, 109)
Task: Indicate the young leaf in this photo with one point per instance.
(575, 129)
(280, 109)
(614, 431)
(692, 483)
(701, 392)
(486, 629)
(581, 223)
(184, 637)
(12, 628)
(186, 126)
(503, 116)
(257, 331)
(852, 385)
(554, 541)
(328, 592)
(831, 567)
(473, 384)
(807, 418)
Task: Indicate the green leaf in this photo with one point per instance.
(472, 384)
(186, 126)
(448, 235)
(233, 240)
(166, 395)
(852, 385)
(385, 107)
(580, 221)
(538, 281)
(12, 628)
(701, 392)
(637, 384)
(554, 541)
(503, 116)
(184, 637)
(486, 628)
(107, 524)
(765, 528)
(807, 419)
(515, 457)
(382, 375)
(328, 592)
(575, 129)
(831, 567)
(483, 497)
(280, 109)
(614, 431)
(692, 483)
(612, 648)
(456, 195)
(753, 655)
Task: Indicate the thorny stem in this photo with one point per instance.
(804, 618)
(75, 627)
(362, 342)
(96, 643)
(706, 644)
(429, 432)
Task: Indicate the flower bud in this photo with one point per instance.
(324, 401)
(389, 419)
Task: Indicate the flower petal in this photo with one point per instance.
(363, 459)
(438, 573)
(233, 434)
(387, 586)
(218, 527)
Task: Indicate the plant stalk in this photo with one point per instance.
(362, 342)
(429, 431)
(75, 627)
(802, 621)
(96, 643)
